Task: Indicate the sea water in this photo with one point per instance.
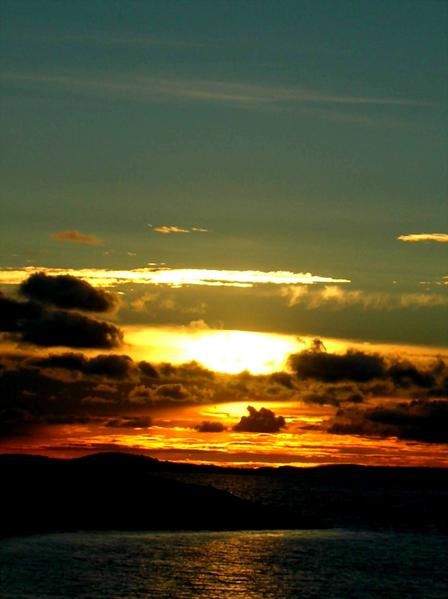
(321, 564)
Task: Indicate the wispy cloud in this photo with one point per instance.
(75, 236)
(169, 229)
(100, 38)
(338, 298)
(418, 237)
(118, 39)
(143, 88)
(173, 277)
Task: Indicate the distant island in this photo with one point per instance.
(122, 491)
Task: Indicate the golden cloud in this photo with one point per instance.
(173, 277)
(169, 229)
(417, 237)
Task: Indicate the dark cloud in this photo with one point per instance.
(67, 361)
(175, 392)
(14, 422)
(60, 328)
(31, 322)
(210, 427)
(260, 421)
(189, 370)
(141, 394)
(117, 366)
(354, 365)
(328, 394)
(417, 420)
(148, 369)
(405, 374)
(67, 292)
(283, 378)
(112, 365)
(321, 399)
(361, 367)
(13, 313)
(129, 422)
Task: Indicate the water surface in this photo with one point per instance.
(272, 564)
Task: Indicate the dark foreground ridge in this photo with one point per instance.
(122, 491)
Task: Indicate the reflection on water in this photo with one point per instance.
(299, 564)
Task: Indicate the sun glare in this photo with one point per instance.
(218, 350)
(234, 351)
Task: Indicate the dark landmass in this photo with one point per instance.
(119, 491)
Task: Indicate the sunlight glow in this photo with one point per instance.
(218, 350)
(234, 351)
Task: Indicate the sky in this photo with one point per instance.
(219, 186)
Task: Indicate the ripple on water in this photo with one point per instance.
(279, 564)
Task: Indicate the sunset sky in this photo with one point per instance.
(193, 195)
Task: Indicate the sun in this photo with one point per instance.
(227, 351)
(235, 351)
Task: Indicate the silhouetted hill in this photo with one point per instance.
(126, 491)
(113, 491)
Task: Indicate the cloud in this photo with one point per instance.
(13, 313)
(169, 229)
(74, 388)
(67, 361)
(141, 88)
(174, 277)
(418, 237)
(130, 422)
(148, 369)
(206, 426)
(405, 374)
(173, 392)
(260, 421)
(116, 366)
(112, 39)
(68, 292)
(74, 236)
(356, 378)
(30, 323)
(40, 323)
(415, 420)
(59, 328)
(338, 298)
(110, 365)
(141, 394)
(354, 365)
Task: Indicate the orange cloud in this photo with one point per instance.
(75, 236)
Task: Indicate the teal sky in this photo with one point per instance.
(303, 135)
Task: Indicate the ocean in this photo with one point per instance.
(321, 564)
